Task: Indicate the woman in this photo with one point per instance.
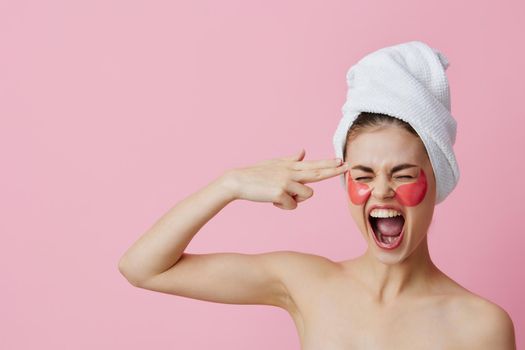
(391, 297)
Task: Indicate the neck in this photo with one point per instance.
(390, 282)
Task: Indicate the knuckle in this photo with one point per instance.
(294, 166)
(289, 173)
(316, 173)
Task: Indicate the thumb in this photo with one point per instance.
(296, 156)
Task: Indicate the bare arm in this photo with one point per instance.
(157, 260)
(164, 243)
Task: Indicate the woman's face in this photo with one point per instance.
(375, 152)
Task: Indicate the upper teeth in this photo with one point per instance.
(384, 213)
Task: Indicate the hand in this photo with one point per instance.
(281, 180)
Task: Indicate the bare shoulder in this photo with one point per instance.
(482, 324)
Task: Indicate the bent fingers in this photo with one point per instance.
(299, 191)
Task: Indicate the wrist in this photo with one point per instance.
(227, 185)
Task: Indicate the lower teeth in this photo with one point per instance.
(387, 239)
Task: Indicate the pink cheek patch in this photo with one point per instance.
(412, 194)
(408, 195)
(357, 191)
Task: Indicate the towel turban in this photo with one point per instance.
(406, 81)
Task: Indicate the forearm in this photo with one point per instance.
(163, 244)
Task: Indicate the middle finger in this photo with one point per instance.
(318, 174)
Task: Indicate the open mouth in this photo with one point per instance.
(388, 231)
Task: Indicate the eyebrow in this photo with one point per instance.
(394, 169)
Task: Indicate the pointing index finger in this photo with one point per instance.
(319, 174)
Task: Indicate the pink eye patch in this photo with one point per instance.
(409, 194)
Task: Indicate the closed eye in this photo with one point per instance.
(399, 177)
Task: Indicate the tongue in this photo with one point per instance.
(390, 226)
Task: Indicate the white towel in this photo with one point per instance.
(406, 81)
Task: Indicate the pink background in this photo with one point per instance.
(113, 111)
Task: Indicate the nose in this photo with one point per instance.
(382, 188)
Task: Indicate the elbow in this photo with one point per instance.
(126, 272)
(122, 267)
